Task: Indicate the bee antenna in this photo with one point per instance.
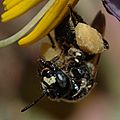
(33, 103)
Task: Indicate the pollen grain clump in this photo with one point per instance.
(89, 39)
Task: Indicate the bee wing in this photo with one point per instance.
(99, 23)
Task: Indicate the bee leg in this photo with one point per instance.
(40, 65)
(75, 17)
(38, 71)
(106, 45)
(73, 21)
(51, 40)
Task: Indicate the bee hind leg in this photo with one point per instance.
(51, 40)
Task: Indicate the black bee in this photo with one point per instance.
(58, 84)
(69, 76)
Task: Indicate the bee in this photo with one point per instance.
(71, 75)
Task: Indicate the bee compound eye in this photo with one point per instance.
(61, 78)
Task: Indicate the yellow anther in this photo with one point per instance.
(72, 3)
(48, 22)
(5, 2)
(26, 28)
(12, 4)
(19, 9)
(48, 18)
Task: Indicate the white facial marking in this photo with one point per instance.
(50, 80)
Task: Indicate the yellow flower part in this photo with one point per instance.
(49, 21)
(72, 3)
(18, 9)
(8, 5)
(47, 18)
(26, 28)
(5, 2)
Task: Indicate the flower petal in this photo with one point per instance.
(19, 9)
(30, 25)
(48, 22)
(113, 7)
(5, 2)
(45, 22)
(11, 4)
